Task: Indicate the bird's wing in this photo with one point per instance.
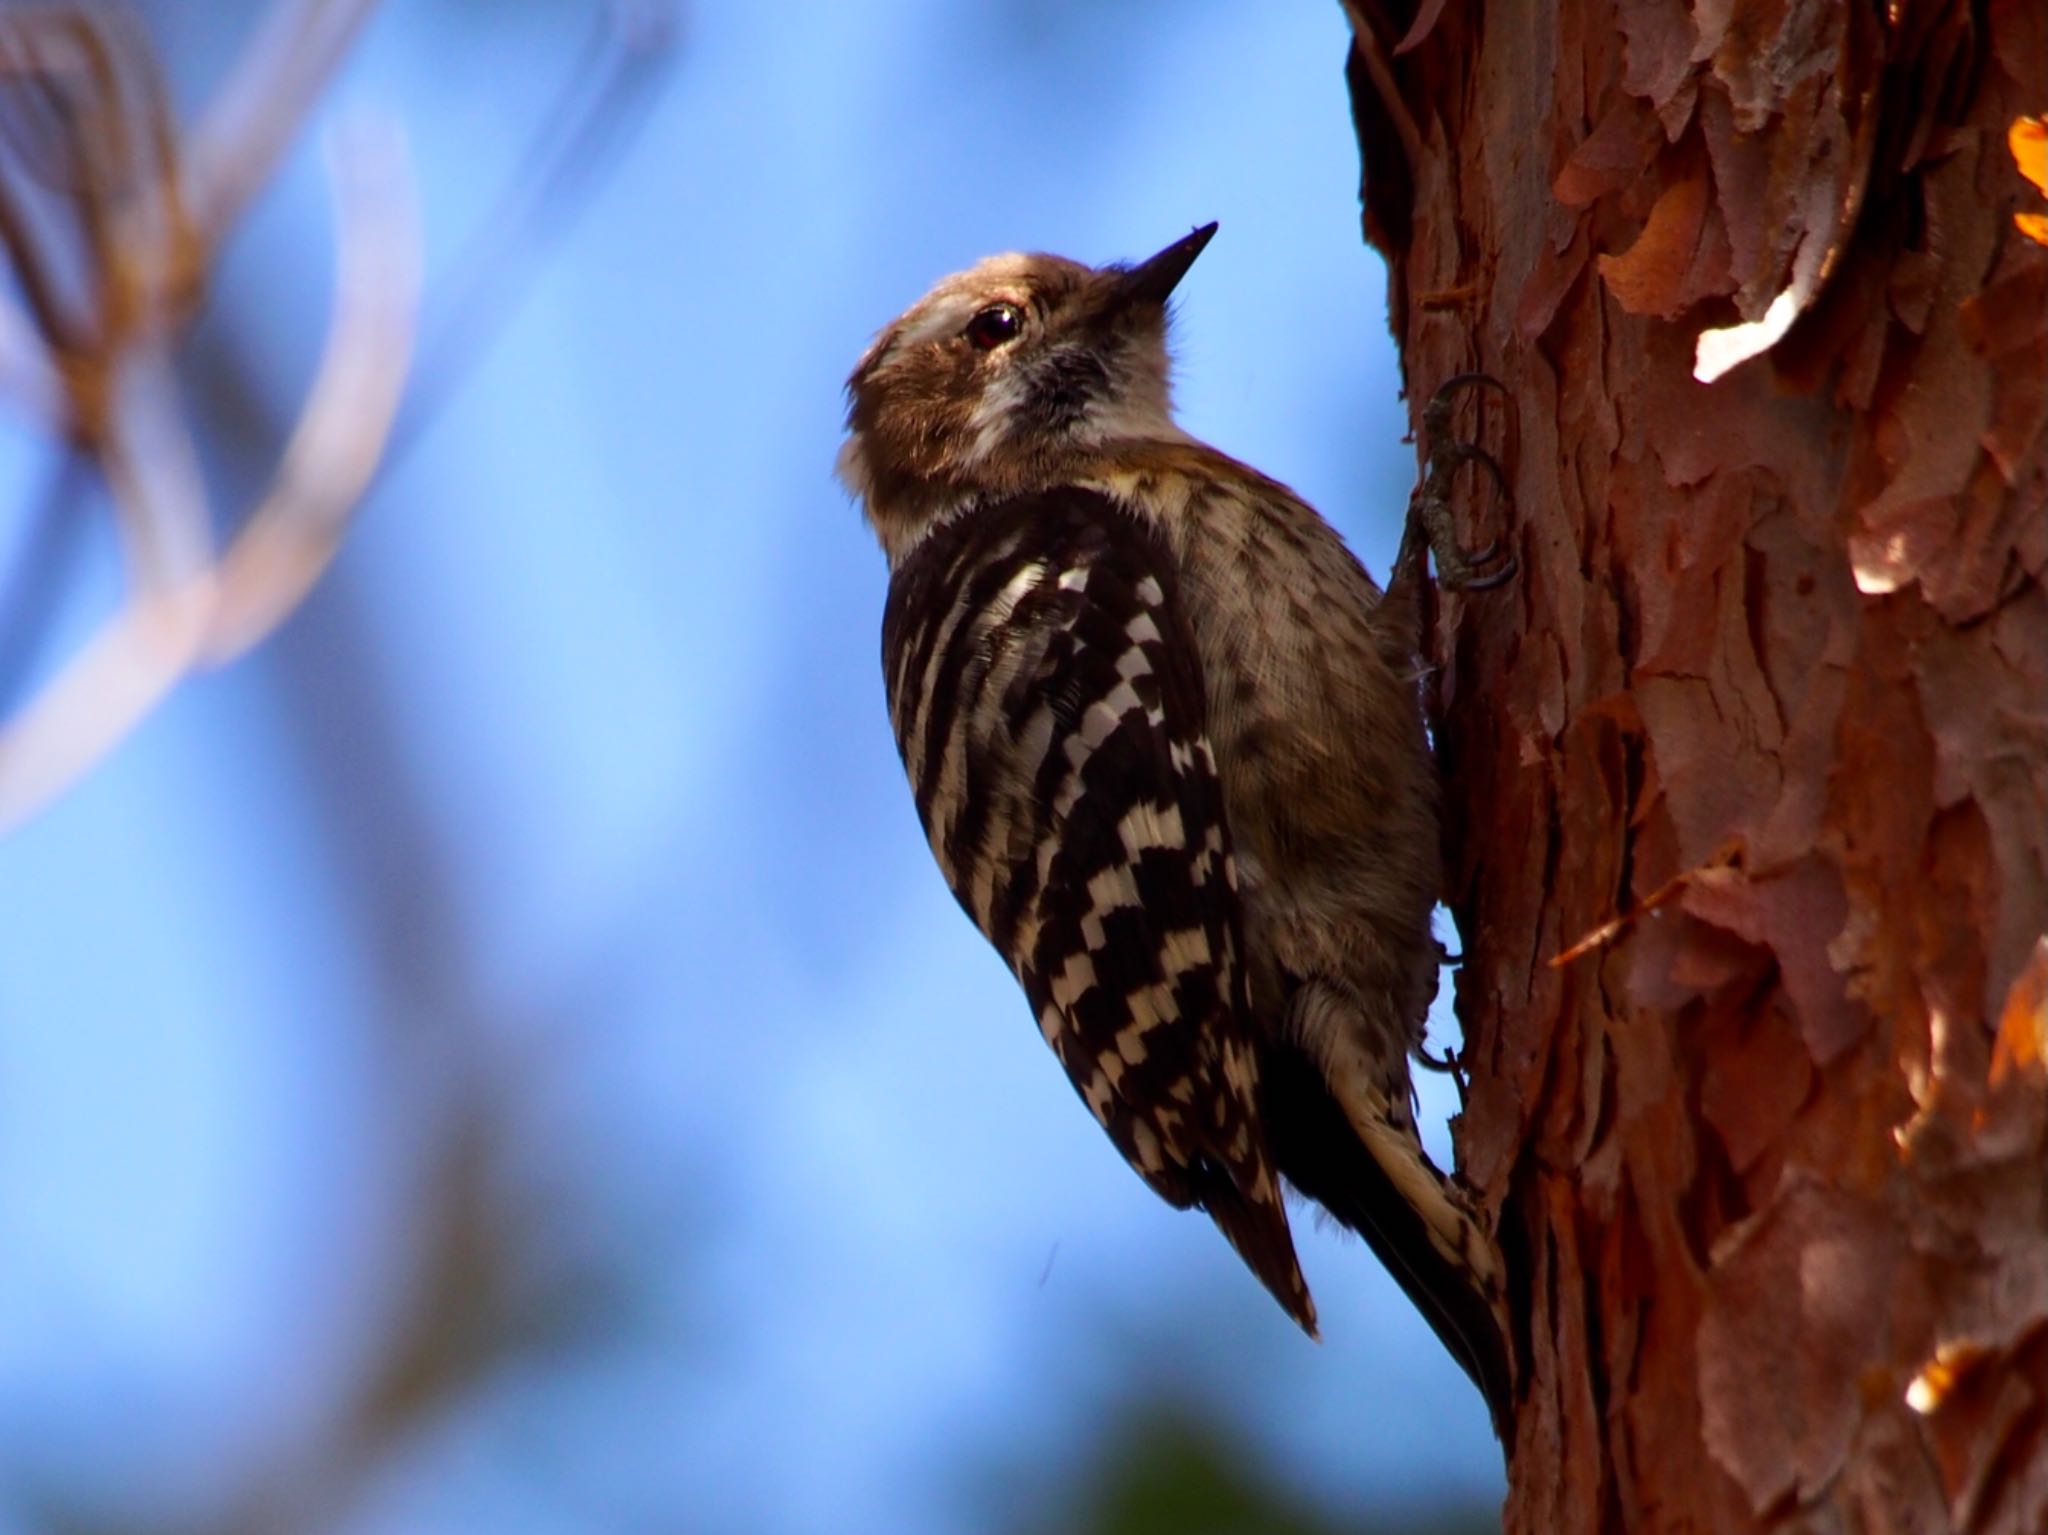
(1048, 700)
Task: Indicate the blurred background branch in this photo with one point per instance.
(113, 222)
(115, 227)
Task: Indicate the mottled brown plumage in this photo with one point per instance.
(1012, 442)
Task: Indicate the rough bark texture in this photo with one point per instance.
(1761, 731)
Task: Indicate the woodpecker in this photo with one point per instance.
(1165, 737)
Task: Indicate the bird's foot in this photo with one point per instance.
(1457, 569)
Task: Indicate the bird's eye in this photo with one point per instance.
(995, 325)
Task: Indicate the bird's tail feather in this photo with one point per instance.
(1320, 1153)
(1255, 1222)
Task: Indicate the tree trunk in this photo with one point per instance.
(1747, 771)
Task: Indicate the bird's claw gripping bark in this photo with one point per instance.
(1457, 569)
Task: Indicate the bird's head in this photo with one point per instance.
(1002, 377)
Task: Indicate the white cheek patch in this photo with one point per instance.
(993, 414)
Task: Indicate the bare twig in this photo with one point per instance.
(340, 439)
(124, 669)
(187, 611)
(234, 148)
(1727, 856)
(603, 99)
(111, 221)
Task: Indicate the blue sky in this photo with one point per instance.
(570, 794)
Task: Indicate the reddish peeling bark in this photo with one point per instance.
(1758, 739)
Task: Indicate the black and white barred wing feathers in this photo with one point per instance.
(1048, 702)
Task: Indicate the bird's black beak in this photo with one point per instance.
(1150, 281)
